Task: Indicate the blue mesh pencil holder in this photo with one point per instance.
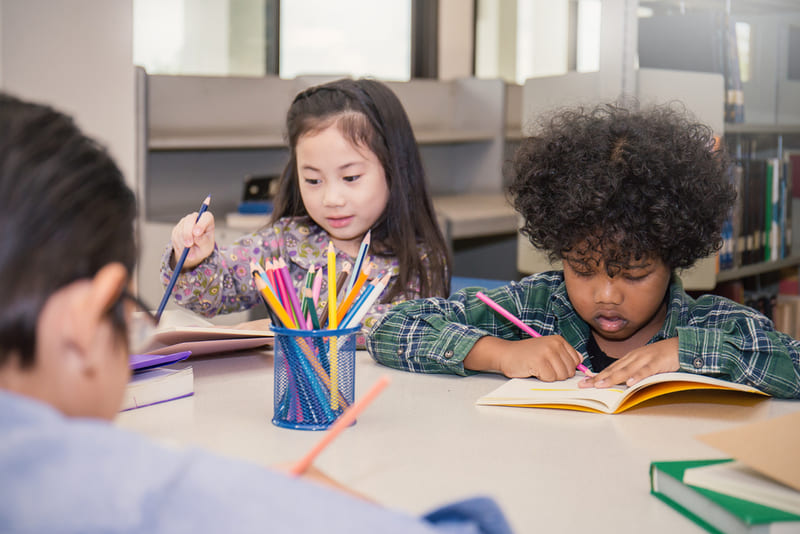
(314, 376)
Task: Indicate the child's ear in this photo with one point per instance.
(92, 304)
(107, 286)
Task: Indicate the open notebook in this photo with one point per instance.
(566, 394)
(180, 330)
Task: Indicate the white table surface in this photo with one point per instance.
(424, 442)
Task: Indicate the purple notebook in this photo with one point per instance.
(140, 362)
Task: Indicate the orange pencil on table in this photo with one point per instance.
(344, 420)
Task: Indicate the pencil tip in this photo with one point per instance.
(207, 201)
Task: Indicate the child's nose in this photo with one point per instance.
(607, 291)
(333, 196)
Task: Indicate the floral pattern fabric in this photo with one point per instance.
(222, 283)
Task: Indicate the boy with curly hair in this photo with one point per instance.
(624, 198)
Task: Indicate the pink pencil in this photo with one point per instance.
(511, 317)
(344, 420)
(317, 286)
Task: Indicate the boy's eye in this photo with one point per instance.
(581, 270)
(351, 178)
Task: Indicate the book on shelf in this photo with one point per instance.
(565, 394)
(181, 330)
(759, 228)
(157, 385)
(714, 511)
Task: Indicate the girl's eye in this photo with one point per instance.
(312, 181)
(351, 178)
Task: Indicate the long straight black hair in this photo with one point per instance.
(369, 114)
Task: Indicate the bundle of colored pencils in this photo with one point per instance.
(350, 297)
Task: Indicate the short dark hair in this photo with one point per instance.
(626, 183)
(369, 113)
(65, 212)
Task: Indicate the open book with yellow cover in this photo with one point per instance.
(533, 393)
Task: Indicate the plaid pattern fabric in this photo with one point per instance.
(717, 336)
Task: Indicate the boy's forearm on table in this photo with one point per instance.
(485, 355)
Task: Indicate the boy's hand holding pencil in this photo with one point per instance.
(547, 358)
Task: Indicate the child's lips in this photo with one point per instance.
(610, 322)
(339, 222)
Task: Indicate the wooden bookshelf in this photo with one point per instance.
(756, 269)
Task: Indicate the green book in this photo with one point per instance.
(715, 512)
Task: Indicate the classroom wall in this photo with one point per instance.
(76, 55)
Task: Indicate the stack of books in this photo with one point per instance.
(756, 490)
(156, 379)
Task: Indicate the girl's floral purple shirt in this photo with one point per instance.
(222, 283)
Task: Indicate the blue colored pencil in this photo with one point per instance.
(179, 265)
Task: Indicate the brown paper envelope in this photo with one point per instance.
(771, 447)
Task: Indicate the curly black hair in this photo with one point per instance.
(624, 183)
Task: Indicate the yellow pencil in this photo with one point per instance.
(332, 317)
(333, 342)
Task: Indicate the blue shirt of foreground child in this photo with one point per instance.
(70, 475)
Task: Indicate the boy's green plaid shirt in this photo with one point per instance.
(717, 336)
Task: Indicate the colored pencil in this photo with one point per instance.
(283, 269)
(340, 281)
(316, 287)
(272, 300)
(362, 252)
(347, 320)
(354, 290)
(344, 420)
(308, 299)
(365, 306)
(273, 317)
(179, 265)
(518, 322)
(332, 319)
(306, 285)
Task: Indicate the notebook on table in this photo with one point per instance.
(565, 394)
(180, 330)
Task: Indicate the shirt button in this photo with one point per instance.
(448, 354)
(698, 362)
(400, 351)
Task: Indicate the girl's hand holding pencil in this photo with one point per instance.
(197, 235)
